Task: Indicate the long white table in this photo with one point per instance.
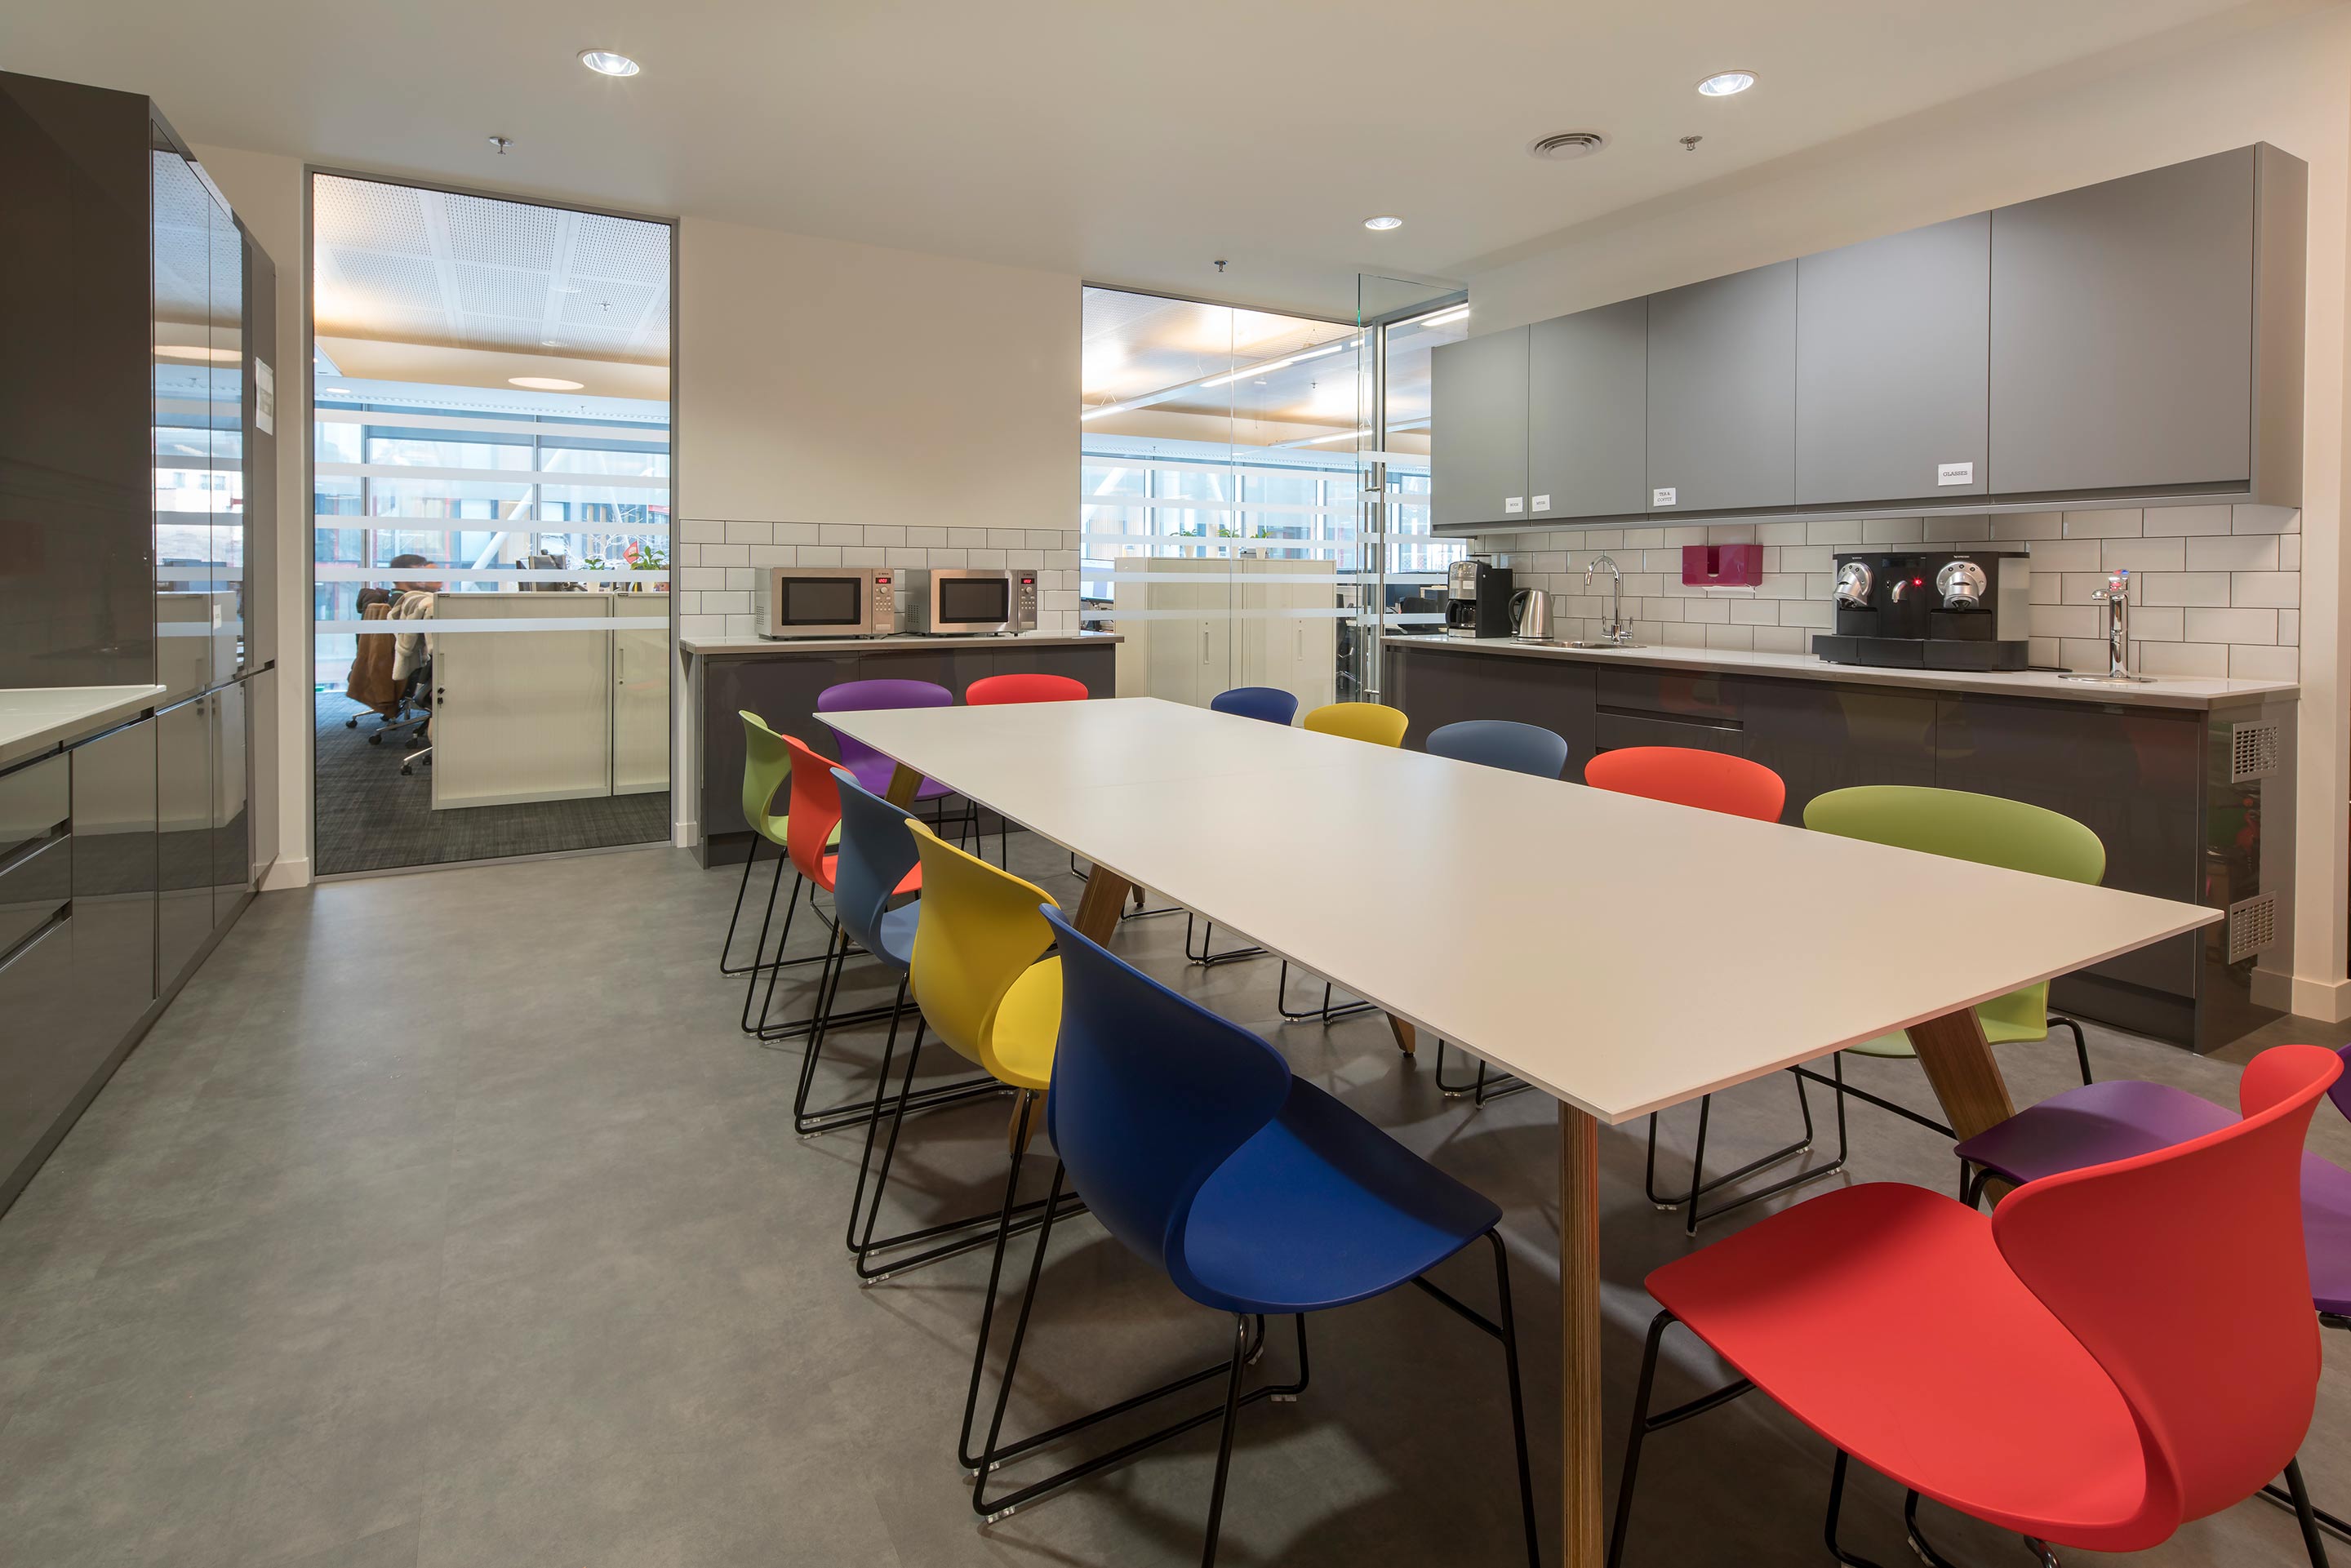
(1623, 955)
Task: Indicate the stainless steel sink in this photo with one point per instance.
(1617, 645)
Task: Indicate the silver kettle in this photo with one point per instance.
(1531, 615)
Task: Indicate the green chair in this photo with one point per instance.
(1989, 830)
(767, 769)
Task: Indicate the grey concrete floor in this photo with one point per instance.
(448, 1219)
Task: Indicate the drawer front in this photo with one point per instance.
(44, 1061)
(1615, 731)
(32, 802)
(1669, 694)
(33, 888)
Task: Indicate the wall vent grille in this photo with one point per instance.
(2252, 752)
(2252, 925)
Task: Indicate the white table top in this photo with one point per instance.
(1622, 953)
(2168, 691)
(33, 719)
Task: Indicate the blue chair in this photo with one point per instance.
(1501, 743)
(1257, 1193)
(876, 854)
(1270, 704)
(1520, 748)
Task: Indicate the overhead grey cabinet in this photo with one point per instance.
(1587, 412)
(1722, 392)
(2136, 323)
(1893, 355)
(1477, 437)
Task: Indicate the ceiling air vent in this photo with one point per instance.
(1566, 145)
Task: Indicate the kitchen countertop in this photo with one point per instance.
(34, 719)
(710, 646)
(2166, 692)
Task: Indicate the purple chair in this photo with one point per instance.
(868, 766)
(2100, 1123)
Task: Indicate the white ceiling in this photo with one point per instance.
(403, 265)
(1128, 143)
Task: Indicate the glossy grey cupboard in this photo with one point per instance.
(2121, 354)
(1892, 336)
(2134, 343)
(1587, 412)
(1477, 471)
(1722, 392)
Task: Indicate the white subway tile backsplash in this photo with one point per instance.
(1709, 611)
(2277, 590)
(1832, 531)
(819, 555)
(840, 534)
(2234, 552)
(1742, 638)
(1780, 534)
(2264, 520)
(1782, 640)
(2066, 620)
(1809, 557)
(2290, 627)
(884, 534)
(905, 556)
(984, 557)
(701, 577)
(2159, 624)
(727, 604)
(739, 578)
(701, 532)
(1892, 530)
(2232, 626)
(1754, 612)
(1817, 614)
(2116, 525)
(1959, 530)
(2081, 653)
(1006, 539)
(2172, 522)
(926, 535)
(2193, 587)
(1682, 636)
(946, 558)
(2044, 651)
(750, 533)
(2143, 555)
(1046, 539)
(2029, 526)
(775, 555)
(799, 534)
(2252, 662)
(725, 555)
(2289, 553)
(862, 554)
(2205, 660)
(2065, 555)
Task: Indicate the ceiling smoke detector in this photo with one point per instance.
(1567, 145)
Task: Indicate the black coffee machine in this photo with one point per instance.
(1477, 600)
(1932, 609)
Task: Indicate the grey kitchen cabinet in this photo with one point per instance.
(39, 1074)
(1819, 738)
(1478, 438)
(2142, 332)
(184, 846)
(1722, 392)
(232, 827)
(1587, 412)
(1438, 688)
(1893, 357)
(114, 880)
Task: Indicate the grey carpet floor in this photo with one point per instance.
(448, 1220)
(371, 817)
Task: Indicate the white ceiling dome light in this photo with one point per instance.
(1723, 84)
(1383, 223)
(544, 383)
(1566, 145)
(608, 62)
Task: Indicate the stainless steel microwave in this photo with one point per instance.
(971, 600)
(826, 601)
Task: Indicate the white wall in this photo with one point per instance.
(2288, 83)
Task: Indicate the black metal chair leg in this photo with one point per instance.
(981, 1463)
(1518, 1399)
(759, 948)
(2333, 1525)
(1829, 1531)
(1326, 1013)
(1701, 1184)
(1634, 1437)
(995, 1276)
(1206, 957)
(2081, 1048)
(1224, 1439)
(741, 888)
(2311, 1542)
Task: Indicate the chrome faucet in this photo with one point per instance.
(1614, 629)
(2116, 597)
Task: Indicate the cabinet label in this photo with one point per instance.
(264, 398)
(1662, 497)
(1543, 504)
(1514, 504)
(1955, 473)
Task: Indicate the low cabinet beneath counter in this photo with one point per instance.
(2193, 799)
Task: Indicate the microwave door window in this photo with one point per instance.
(969, 599)
(819, 602)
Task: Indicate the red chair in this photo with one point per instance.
(1711, 781)
(995, 691)
(817, 798)
(999, 689)
(2115, 1351)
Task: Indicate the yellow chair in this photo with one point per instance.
(1373, 723)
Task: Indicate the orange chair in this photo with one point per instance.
(1711, 781)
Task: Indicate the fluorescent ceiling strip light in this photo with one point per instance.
(1165, 394)
(1459, 313)
(1319, 440)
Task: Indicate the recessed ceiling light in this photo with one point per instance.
(189, 351)
(605, 62)
(544, 383)
(1383, 223)
(1722, 84)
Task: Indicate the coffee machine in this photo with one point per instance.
(1477, 600)
(1931, 609)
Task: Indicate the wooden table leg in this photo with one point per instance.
(903, 782)
(1578, 1361)
(1099, 905)
(1406, 1037)
(1959, 1065)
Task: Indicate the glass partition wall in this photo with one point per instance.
(491, 486)
(1224, 524)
